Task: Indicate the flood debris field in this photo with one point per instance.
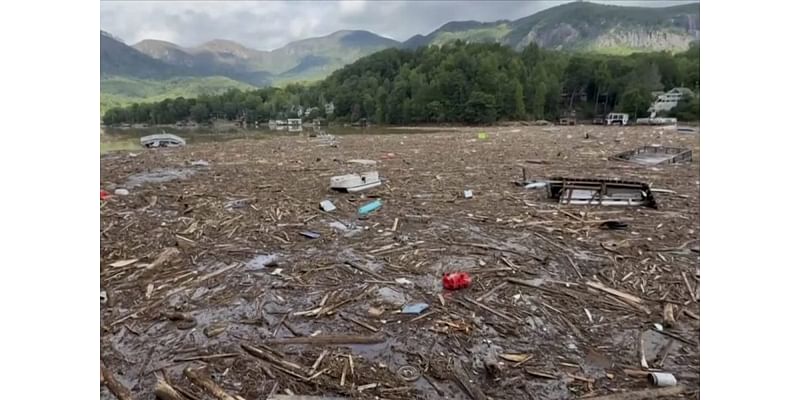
(212, 291)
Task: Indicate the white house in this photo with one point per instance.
(667, 101)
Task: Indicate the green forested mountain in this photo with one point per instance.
(119, 59)
(457, 82)
(303, 59)
(578, 27)
(582, 26)
(164, 69)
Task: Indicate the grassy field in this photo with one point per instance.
(119, 91)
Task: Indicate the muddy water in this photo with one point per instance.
(127, 139)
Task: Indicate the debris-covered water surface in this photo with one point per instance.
(224, 279)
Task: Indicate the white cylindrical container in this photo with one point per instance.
(662, 379)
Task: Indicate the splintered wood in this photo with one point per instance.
(223, 279)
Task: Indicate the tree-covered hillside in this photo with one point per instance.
(457, 82)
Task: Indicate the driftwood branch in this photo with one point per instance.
(113, 385)
(642, 394)
(207, 384)
(350, 339)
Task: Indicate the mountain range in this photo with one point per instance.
(577, 26)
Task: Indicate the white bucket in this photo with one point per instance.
(662, 379)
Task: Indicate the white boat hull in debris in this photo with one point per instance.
(355, 182)
(162, 140)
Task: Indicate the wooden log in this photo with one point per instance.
(615, 292)
(120, 391)
(360, 323)
(642, 394)
(629, 299)
(363, 269)
(164, 391)
(463, 379)
(333, 339)
(276, 361)
(207, 384)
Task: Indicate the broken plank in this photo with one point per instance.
(363, 269)
(334, 339)
(357, 322)
(642, 394)
(540, 374)
(164, 391)
(275, 360)
(205, 357)
(119, 390)
(218, 272)
(207, 384)
(615, 292)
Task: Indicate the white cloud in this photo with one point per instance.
(352, 7)
(267, 25)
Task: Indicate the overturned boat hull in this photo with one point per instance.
(352, 183)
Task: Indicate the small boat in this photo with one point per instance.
(162, 140)
(352, 183)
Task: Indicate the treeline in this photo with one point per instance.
(470, 83)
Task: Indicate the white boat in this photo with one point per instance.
(355, 182)
(162, 140)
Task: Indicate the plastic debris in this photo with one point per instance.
(483, 136)
(338, 226)
(199, 163)
(122, 192)
(241, 203)
(456, 280)
(403, 281)
(658, 327)
(536, 185)
(104, 195)
(415, 308)
(262, 261)
(408, 373)
(362, 162)
(370, 207)
(468, 194)
(327, 206)
(662, 379)
(103, 297)
(391, 296)
(310, 234)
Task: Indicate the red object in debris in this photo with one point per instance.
(103, 195)
(456, 280)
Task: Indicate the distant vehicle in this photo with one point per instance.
(617, 119)
(598, 120)
(162, 140)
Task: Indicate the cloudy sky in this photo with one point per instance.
(267, 25)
